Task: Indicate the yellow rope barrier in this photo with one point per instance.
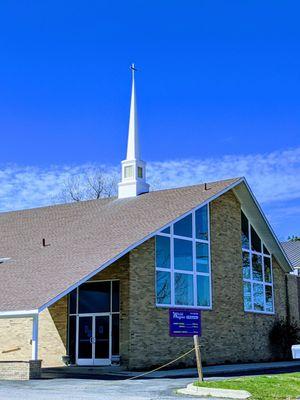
(153, 370)
(161, 367)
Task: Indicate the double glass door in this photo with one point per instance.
(93, 339)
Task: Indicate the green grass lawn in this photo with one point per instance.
(265, 387)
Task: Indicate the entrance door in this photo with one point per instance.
(93, 344)
(101, 340)
(85, 340)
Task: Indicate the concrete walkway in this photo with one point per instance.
(112, 387)
(211, 371)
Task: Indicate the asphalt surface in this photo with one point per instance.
(75, 389)
(108, 387)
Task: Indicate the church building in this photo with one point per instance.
(128, 280)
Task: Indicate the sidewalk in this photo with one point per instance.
(222, 370)
(211, 371)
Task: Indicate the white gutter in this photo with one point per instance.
(19, 314)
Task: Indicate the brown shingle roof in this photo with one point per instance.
(292, 249)
(82, 237)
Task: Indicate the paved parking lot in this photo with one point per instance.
(75, 389)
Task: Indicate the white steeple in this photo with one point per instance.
(133, 168)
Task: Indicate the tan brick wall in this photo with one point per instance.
(229, 334)
(15, 336)
(20, 370)
(53, 333)
(293, 294)
(16, 333)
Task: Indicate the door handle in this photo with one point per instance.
(91, 339)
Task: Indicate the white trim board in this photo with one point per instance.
(19, 314)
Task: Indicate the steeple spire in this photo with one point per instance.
(133, 146)
(133, 168)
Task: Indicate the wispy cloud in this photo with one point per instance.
(274, 178)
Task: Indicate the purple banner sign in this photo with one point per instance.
(184, 322)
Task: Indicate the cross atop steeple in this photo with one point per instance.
(133, 168)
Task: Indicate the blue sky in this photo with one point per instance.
(218, 95)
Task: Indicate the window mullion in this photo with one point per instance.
(172, 277)
(264, 280)
(194, 258)
(209, 257)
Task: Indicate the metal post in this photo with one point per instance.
(35, 337)
(198, 357)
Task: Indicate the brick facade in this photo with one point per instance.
(20, 370)
(15, 336)
(228, 333)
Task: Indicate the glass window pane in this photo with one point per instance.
(115, 296)
(183, 254)
(203, 291)
(245, 232)
(163, 287)
(202, 257)
(246, 265)
(102, 336)
(184, 227)
(94, 297)
(268, 273)
(257, 273)
(266, 251)
(115, 337)
(73, 302)
(140, 172)
(258, 296)
(167, 230)
(269, 298)
(255, 241)
(162, 252)
(202, 223)
(247, 296)
(85, 334)
(72, 339)
(184, 289)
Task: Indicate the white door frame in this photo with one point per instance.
(93, 360)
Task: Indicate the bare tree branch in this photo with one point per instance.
(94, 184)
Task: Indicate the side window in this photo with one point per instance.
(257, 271)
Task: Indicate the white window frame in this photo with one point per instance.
(253, 281)
(194, 271)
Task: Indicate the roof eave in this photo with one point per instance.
(19, 314)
